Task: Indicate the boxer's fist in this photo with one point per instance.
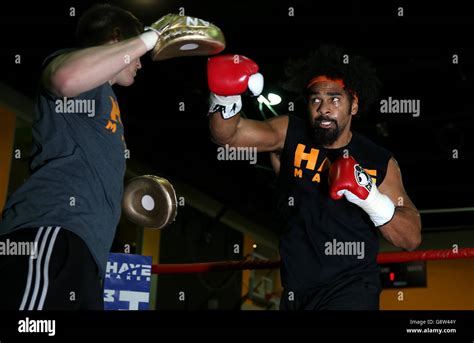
(347, 178)
(233, 74)
(228, 77)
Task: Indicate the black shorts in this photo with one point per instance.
(356, 292)
(62, 276)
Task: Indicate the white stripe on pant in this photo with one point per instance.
(37, 271)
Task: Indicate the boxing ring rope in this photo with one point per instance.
(213, 266)
(382, 258)
(424, 255)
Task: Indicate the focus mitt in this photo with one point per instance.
(150, 201)
(185, 36)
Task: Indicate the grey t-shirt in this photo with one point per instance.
(77, 170)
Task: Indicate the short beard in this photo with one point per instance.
(324, 136)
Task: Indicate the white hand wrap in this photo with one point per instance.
(229, 106)
(149, 38)
(378, 206)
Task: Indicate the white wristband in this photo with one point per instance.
(379, 207)
(149, 38)
(228, 106)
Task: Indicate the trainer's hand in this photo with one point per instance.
(347, 178)
(228, 77)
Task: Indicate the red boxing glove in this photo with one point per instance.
(232, 75)
(228, 76)
(347, 178)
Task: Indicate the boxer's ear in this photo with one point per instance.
(354, 104)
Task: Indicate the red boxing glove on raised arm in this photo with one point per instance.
(228, 76)
(347, 178)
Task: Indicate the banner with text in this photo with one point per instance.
(127, 282)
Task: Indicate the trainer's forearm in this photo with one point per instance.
(404, 230)
(223, 131)
(88, 68)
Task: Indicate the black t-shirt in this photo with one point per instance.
(324, 240)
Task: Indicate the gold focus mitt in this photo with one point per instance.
(150, 201)
(185, 36)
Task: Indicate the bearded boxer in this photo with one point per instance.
(337, 189)
(70, 206)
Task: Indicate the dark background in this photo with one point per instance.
(413, 55)
(194, 238)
